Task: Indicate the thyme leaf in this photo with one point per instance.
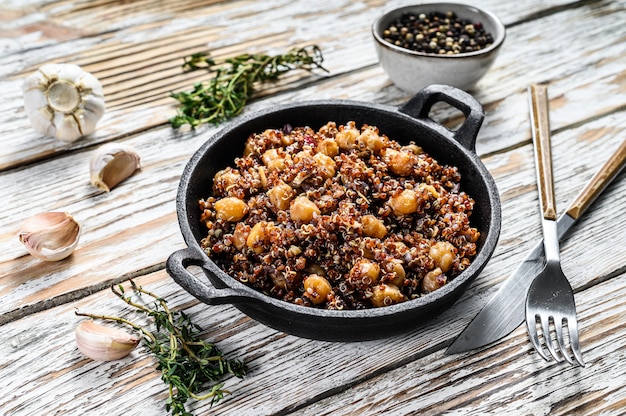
(190, 366)
(233, 83)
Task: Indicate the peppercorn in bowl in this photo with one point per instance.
(323, 219)
(437, 43)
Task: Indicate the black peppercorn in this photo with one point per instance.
(437, 33)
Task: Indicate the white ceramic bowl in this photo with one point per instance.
(412, 70)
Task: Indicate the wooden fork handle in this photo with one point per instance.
(600, 180)
(540, 126)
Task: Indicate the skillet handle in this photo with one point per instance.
(420, 105)
(176, 267)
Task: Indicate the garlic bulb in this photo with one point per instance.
(63, 101)
(50, 236)
(112, 163)
(104, 343)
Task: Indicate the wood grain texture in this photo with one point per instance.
(540, 128)
(398, 375)
(136, 49)
(140, 65)
(509, 378)
(597, 184)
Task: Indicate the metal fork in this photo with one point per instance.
(550, 299)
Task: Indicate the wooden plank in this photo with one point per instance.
(95, 17)
(409, 371)
(510, 377)
(54, 21)
(155, 68)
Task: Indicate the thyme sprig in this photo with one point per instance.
(189, 365)
(225, 95)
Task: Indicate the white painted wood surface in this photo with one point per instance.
(136, 48)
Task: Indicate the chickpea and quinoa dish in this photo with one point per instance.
(339, 218)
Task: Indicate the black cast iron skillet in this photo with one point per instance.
(410, 122)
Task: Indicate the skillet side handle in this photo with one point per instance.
(176, 267)
(420, 105)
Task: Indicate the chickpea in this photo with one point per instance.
(226, 179)
(405, 203)
(370, 139)
(269, 155)
(259, 236)
(262, 176)
(433, 280)
(294, 251)
(303, 155)
(395, 267)
(240, 235)
(346, 138)
(281, 195)
(271, 134)
(329, 147)
(373, 227)
(443, 253)
(326, 164)
(287, 139)
(400, 162)
(317, 288)
(326, 204)
(413, 148)
(397, 247)
(430, 189)
(386, 294)
(249, 149)
(368, 250)
(231, 209)
(303, 209)
(274, 160)
(364, 272)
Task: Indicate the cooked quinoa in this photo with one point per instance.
(339, 218)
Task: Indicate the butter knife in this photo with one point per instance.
(505, 311)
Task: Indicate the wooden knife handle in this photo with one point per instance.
(540, 125)
(599, 181)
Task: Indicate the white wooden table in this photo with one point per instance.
(136, 49)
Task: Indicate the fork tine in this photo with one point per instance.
(572, 325)
(545, 325)
(531, 325)
(558, 327)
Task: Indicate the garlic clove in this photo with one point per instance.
(50, 236)
(111, 163)
(104, 343)
(63, 101)
(68, 71)
(90, 114)
(67, 126)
